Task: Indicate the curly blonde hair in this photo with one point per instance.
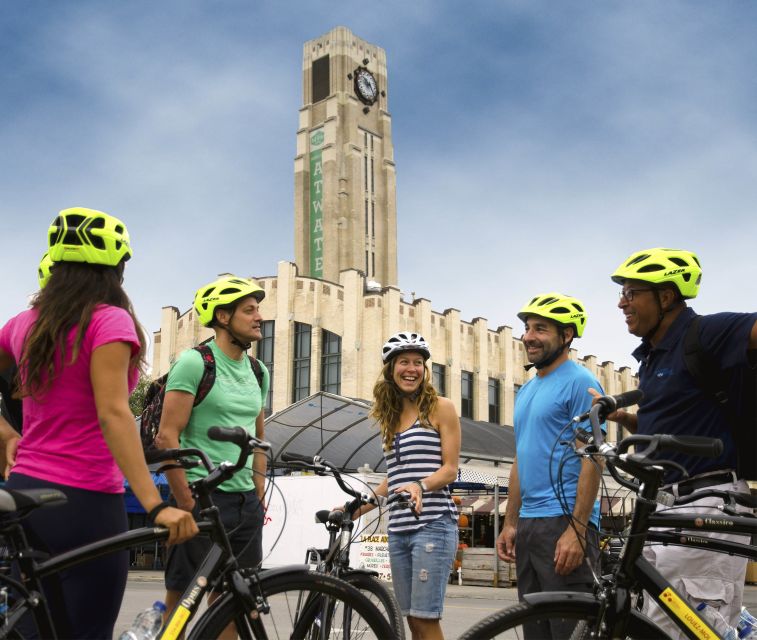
(387, 403)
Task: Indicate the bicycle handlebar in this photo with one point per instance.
(216, 475)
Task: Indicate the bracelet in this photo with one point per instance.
(421, 485)
(156, 510)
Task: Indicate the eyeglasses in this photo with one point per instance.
(629, 294)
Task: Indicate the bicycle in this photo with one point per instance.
(335, 559)
(260, 603)
(611, 610)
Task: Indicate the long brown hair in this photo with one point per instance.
(387, 403)
(68, 300)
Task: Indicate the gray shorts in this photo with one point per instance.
(242, 516)
(535, 542)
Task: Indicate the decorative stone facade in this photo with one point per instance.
(364, 319)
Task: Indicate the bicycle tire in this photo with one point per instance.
(298, 600)
(380, 596)
(558, 616)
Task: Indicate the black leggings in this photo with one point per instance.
(85, 600)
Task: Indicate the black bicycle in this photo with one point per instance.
(611, 611)
(262, 604)
(335, 559)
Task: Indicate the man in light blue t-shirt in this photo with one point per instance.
(548, 480)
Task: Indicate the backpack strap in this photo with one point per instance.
(703, 368)
(257, 370)
(208, 373)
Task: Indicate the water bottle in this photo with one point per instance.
(147, 624)
(717, 621)
(747, 626)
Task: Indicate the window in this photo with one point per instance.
(265, 355)
(494, 400)
(439, 378)
(320, 78)
(301, 377)
(466, 394)
(331, 363)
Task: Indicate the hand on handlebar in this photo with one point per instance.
(415, 495)
(623, 418)
(180, 524)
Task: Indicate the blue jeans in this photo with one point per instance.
(421, 561)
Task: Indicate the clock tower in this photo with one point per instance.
(345, 203)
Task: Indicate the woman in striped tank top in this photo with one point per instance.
(421, 437)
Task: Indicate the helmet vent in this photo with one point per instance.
(637, 259)
(647, 268)
(70, 237)
(680, 262)
(560, 310)
(228, 290)
(578, 307)
(549, 301)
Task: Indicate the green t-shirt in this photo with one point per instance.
(234, 400)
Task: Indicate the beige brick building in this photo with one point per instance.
(322, 335)
(328, 316)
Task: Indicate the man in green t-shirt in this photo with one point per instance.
(230, 307)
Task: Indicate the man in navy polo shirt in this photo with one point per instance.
(655, 286)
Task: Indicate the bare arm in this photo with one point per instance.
(9, 438)
(569, 551)
(753, 337)
(259, 460)
(109, 373)
(177, 408)
(506, 539)
(381, 490)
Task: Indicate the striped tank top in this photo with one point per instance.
(415, 455)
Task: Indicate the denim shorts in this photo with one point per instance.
(421, 561)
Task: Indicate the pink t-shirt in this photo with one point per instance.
(62, 441)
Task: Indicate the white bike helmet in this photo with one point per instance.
(405, 341)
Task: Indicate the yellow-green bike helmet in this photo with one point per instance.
(659, 265)
(223, 291)
(86, 235)
(562, 309)
(44, 270)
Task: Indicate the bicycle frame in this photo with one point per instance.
(218, 562)
(633, 569)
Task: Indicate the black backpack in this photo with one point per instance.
(152, 408)
(715, 383)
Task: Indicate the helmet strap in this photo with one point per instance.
(661, 313)
(244, 346)
(542, 364)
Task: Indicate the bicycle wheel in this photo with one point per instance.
(380, 596)
(302, 606)
(560, 617)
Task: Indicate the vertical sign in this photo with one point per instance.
(316, 203)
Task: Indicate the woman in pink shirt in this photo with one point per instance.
(78, 350)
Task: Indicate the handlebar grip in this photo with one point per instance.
(237, 435)
(295, 457)
(161, 455)
(692, 445)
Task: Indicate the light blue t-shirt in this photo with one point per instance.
(543, 407)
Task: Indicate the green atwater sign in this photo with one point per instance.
(316, 203)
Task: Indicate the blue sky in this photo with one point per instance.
(537, 143)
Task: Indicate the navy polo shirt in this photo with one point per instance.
(674, 403)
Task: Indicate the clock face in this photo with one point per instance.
(365, 86)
